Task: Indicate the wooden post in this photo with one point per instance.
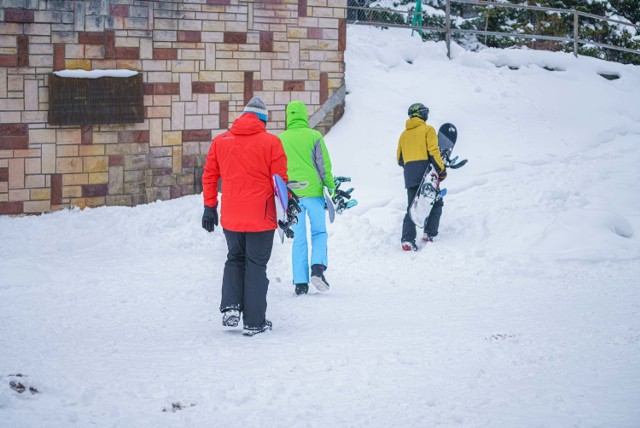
(576, 33)
(448, 27)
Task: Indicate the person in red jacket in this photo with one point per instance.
(245, 158)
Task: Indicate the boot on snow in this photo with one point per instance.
(317, 277)
(252, 331)
(409, 246)
(230, 318)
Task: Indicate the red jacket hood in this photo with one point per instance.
(248, 124)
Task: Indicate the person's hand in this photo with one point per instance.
(442, 175)
(210, 218)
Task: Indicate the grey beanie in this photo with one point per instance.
(257, 107)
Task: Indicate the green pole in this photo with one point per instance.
(417, 17)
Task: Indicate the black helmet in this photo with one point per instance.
(419, 110)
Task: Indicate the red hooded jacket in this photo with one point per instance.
(245, 157)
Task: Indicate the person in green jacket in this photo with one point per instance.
(309, 166)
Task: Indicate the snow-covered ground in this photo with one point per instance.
(525, 312)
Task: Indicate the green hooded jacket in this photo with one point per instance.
(308, 160)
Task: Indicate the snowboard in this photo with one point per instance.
(329, 204)
(429, 191)
(447, 137)
(287, 210)
(281, 198)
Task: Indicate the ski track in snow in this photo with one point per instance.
(523, 312)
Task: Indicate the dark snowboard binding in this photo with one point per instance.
(293, 209)
(342, 198)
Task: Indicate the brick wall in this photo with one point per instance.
(201, 61)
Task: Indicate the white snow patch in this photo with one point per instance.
(522, 312)
(94, 74)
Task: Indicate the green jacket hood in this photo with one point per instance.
(297, 116)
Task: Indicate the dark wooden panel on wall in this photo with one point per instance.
(105, 100)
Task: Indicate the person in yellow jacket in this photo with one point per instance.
(417, 152)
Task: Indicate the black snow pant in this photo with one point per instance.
(431, 223)
(244, 282)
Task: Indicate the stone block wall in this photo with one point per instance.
(201, 60)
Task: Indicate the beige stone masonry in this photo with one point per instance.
(42, 194)
(69, 165)
(91, 150)
(42, 136)
(173, 138)
(31, 166)
(71, 191)
(194, 58)
(67, 151)
(36, 206)
(16, 173)
(99, 178)
(19, 195)
(48, 158)
(95, 163)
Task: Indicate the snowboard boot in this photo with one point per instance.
(302, 289)
(230, 318)
(318, 279)
(426, 238)
(252, 331)
(409, 246)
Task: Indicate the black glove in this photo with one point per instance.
(442, 175)
(210, 218)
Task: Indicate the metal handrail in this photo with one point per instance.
(604, 18)
(510, 5)
(522, 35)
(448, 30)
(393, 25)
(603, 45)
(547, 9)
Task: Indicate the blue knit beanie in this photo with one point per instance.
(257, 107)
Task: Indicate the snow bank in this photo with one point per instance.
(523, 312)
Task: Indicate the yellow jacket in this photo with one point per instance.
(417, 148)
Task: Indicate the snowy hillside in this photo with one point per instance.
(524, 312)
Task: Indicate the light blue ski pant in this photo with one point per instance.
(313, 207)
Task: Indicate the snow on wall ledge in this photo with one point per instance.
(94, 74)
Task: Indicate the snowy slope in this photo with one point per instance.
(524, 312)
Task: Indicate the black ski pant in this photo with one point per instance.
(431, 223)
(244, 282)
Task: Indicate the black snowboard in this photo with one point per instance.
(447, 137)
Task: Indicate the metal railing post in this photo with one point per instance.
(575, 33)
(448, 28)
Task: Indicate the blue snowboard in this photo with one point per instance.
(281, 197)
